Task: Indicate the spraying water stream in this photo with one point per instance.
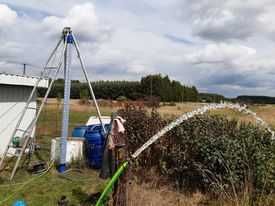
(202, 110)
(177, 122)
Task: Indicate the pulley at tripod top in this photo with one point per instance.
(67, 35)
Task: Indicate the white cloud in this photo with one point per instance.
(220, 53)
(228, 43)
(7, 16)
(82, 19)
(139, 53)
(47, 6)
(226, 20)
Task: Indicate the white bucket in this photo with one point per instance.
(74, 149)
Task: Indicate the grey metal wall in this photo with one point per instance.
(12, 102)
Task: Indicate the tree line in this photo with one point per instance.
(255, 99)
(151, 86)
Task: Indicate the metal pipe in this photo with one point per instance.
(66, 103)
(24, 69)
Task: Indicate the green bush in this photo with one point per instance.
(139, 127)
(214, 154)
(206, 153)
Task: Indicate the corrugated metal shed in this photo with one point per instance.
(14, 92)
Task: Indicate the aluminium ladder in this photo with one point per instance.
(27, 134)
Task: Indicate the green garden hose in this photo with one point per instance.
(108, 189)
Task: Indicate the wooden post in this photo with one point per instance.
(121, 154)
(120, 190)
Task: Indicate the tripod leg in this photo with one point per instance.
(88, 81)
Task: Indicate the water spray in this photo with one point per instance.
(172, 125)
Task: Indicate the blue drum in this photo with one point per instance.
(94, 144)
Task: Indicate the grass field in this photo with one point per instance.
(47, 189)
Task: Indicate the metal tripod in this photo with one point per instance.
(51, 72)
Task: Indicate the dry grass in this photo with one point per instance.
(233, 114)
(146, 194)
(150, 195)
(75, 106)
(172, 111)
(267, 112)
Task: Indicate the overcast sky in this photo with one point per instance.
(219, 46)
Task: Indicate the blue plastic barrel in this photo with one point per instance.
(79, 131)
(94, 143)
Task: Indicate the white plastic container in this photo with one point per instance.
(74, 149)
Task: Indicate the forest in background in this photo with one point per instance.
(156, 87)
(151, 86)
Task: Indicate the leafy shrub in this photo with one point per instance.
(216, 154)
(139, 127)
(209, 153)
